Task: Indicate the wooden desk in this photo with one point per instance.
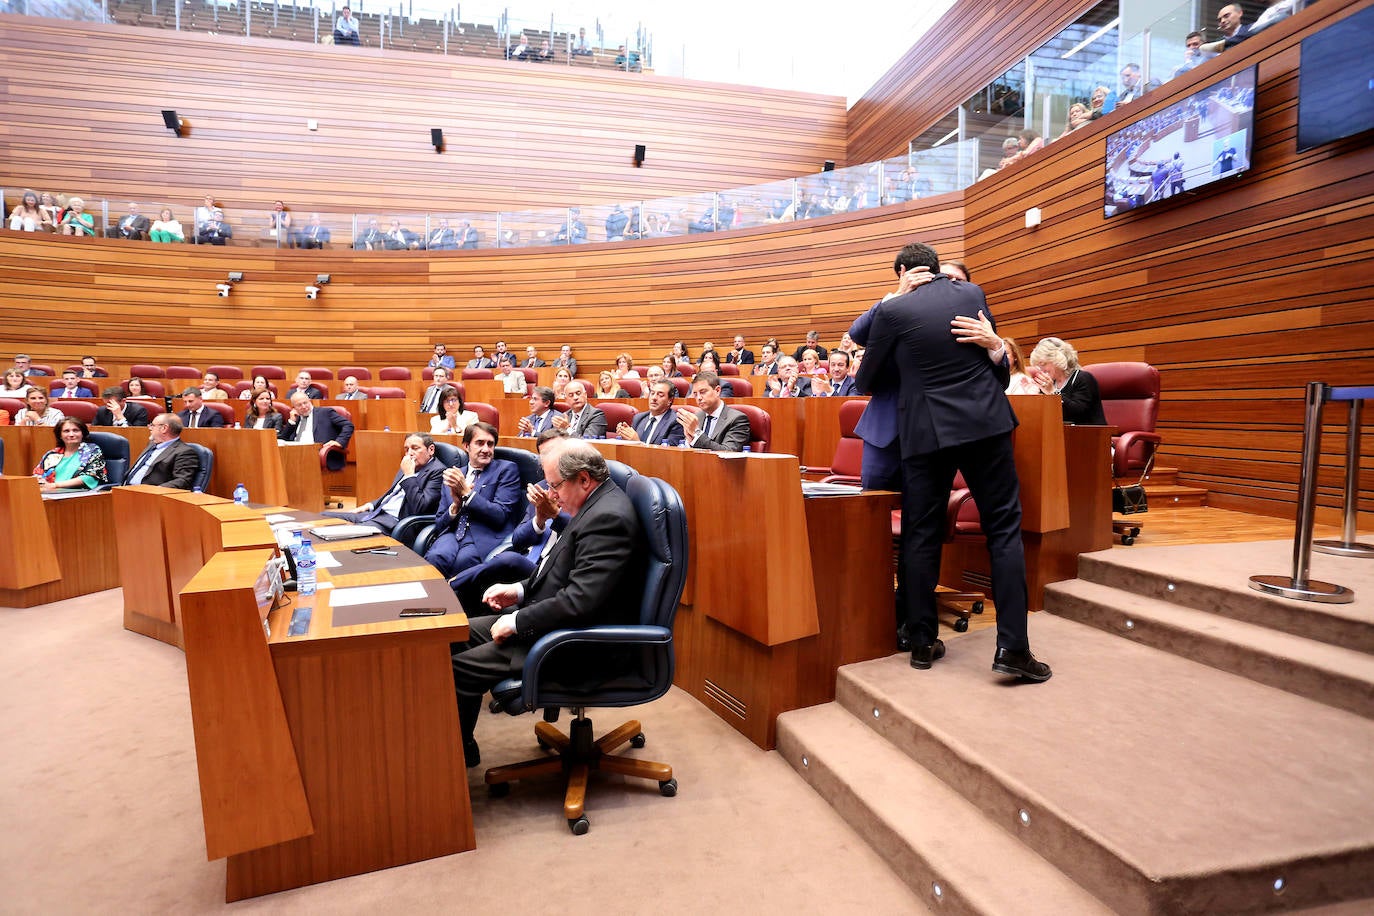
(59, 553)
(329, 754)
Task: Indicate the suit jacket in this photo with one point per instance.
(570, 364)
(548, 420)
(329, 425)
(493, 510)
(442, 240)
(134, 415)
(1082, 402)
(949, 393)
(745, 357)
(312, 236)
(176, 466)
(590, 424)
(423, 490)
(358, 395)
(669, 431)
(431, 392)
(208, 417)
(731, 432)
(135, 227)
(533, 364)
(483, 363)
(81, 392)
(803, 389)
(313, 392)
(274, 421)
(843, 390)
(593, 575)
(878, 424)
(469, 239)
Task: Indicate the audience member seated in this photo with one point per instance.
(1233, 33)
(351, 390)
(479, 506)
(166, 228)
(713, 426)
(324, 426)
(429, 401)
(89, 369)
(71, 387)
(313, 234)
(372, 238)
(467, 235)
(1133, 86)
(580, 46)
(27, 216)
(453, 417)
(542, 412)
(837, 383)
(441, 359)
(52, 212)
(167, 462)
(37, 412)
(616, 222)
(76, 221)
(583, 420)
(442, 238)
(502, 356)
(512, 379)
(206, 212)
(1021, 383)
(768, 361)
(659, 424)
(810, 364)
(76, 462)
(480, 360)
(196, 413)
(608, 387)
(572, 230)
(715, 219)
(259, 385)
(738, 354)
(136, 388)
(1011, 152)
(215, 231)
(565, 360)
(1192, 56)
(304, 385)
(1080, 115)
(545, 52)
(210, 389)
(119, 410)
(790, 383)
(1054, 368)
(346, 28)
(519, 49)
(398, 238)
(1029, 141)
(262, 413)
(628, 61)
(133, 225)
(1097, 102)
(415, 490)
(15, 384)
(813, 342)
(561, 379)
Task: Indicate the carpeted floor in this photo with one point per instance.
(101, 812)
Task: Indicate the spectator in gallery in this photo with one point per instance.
(1132, 84)
(1098, 102)
(566, 360)
(532, 360)
(346, 28)
(545, 52)
(215, 231)
(626, 61)
(1029, 141)
(615, 224)
(480, 360)
(1192, 53)
(502, 356)
(26, 215)
(76, 221)
(441, 238)
(1011, 152)
(279, 223)
(313, 234)
(519, 49)
(573, 230)
(1079, 116)
(51, 211)
(372, 238)
(206, 211)
(580, 47)
(398, 238)
(76, 462)
(133, 225)
(166, 228)
(467, 236)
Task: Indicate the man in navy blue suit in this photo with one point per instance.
(659, 424)
(839, 384)
(197, 413)
(479, 507)
(414, 491)
(949, 369)
(324, 426)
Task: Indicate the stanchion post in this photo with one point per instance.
(1348, 546)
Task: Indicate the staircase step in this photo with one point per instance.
(1158, 784)
(1319, 671)
(935, 840)
(1172, 496)
(1162, 476)
(1217, 577)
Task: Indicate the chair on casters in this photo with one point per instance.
(1130, 402)
(115, 448)
(664, 522)
(207, 464)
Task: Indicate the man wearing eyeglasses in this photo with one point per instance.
(167, 462)
(591, 576)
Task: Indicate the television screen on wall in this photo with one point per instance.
(1336, 81)
(1196, 141)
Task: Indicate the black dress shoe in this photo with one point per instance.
(903, 639)
(923, 656)
(472, 755)
(1019, 664)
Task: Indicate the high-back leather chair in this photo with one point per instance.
(633, 387)
(478, 374)
(147, 370)
(531, 376)
(381, 391)
(226, 372)
(729, 369)
(82, 410)
(760, 426)
(151, 386)
(269, 372)
(361, 373)
(13, 405)
(616, 413)
(848, 465)
(2, 456)
(395, 374)
(620, 472)
(115, 448)
(1130, 402)
(683, 386)
(223, 409)
(201, 481)
(649, 674)
(739, 387)
(186, 372)
(318, 372)
(485, 412)
(531, 471)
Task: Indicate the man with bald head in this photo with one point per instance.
(351, 391)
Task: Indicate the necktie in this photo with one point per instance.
(649, 428)
(195, 418)
(140, 466)
(706, 430)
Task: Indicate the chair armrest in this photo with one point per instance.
(815, 469)
(841, 478)
(333, 458)
(1125, 441)
(957, 498)
(607, 635)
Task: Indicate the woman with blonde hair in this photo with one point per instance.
(1021, 383)
(1055, 370)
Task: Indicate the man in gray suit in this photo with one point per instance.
(582, 421)
(167, 462)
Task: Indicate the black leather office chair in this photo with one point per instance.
(531, 471)
(620, 472)
(207, 464)
(414, 531)
(2, 456)
(115, 448)
(664, 521)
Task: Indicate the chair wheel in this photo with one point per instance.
(543, 745)
(961, 625)
(638, 740)
(1127, 540)
(977, 607)
(493, 707)
(498, 790)
(579, 826)
(668, 788)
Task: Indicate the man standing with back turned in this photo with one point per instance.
(953, 416)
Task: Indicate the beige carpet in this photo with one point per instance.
(99, 810)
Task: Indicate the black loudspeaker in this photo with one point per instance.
(436, 136)
(639, 154)
(829, 166)
(171, 121)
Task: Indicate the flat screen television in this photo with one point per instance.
(1203, 138)
(1336, 81)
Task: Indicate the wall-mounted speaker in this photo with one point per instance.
(436, 136)
(829, 166)
(171, 121)
(639, 154)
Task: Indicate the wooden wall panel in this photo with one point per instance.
(969, 47)
(517, 136)
(1240, 294)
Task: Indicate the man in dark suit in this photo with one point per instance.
(591, 576)
(480, 360)
(324, 426)
(90, 370)
(441, 238)
(582, 421)
(542, 413)
(479, 506)
(532, 360)
(133, 225)
(659, 424)
(739, 356)
(304, 384)
(714, 426)
(839, 369)
(467, 236)
(953, 416)
(313, 235)
(215, 230)
(197, 413)
(429, 401)
(167, 462)
(813, 342)
(789, 383)
(119, 411)
(415, 491)
(566, 361)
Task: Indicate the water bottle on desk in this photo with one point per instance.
(240, 495)
(305, 568)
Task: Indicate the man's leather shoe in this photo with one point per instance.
(472, 755)
(1019, 664)
(903, 639)
(923, 656)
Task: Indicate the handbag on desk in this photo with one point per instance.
(1129, 500)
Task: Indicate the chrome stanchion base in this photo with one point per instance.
(1284, 587)
(1345, 549)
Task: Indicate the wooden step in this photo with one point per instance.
(1173, 496)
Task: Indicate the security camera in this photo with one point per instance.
(223, 289)
(311, 292)
(322, 279)
(235, 276)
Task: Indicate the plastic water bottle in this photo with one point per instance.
(240, 495)
(238, 425)
(305, 568)
(746, 450)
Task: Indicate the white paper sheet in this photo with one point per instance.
(372, 594)
(327, 560)
(276, 518)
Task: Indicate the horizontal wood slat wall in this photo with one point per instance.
(1240, 294)
(969, 47)
(516, 136)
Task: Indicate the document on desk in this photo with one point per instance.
(327, 560)
(375, 594)
(276, 518)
